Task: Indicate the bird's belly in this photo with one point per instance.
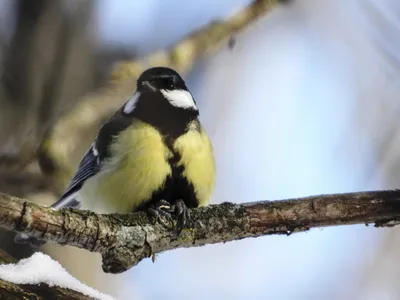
(197, 160)
(144, 172)
(138, 168)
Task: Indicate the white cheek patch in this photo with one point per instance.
(179, 98)
(131, 104)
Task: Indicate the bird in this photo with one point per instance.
(152, 155)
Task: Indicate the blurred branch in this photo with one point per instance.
(22, 184)
(74, 132)
(47, 66)
(12, 291)
(125, 239)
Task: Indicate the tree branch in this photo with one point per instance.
(125, 239)
(73, 133)
(48, 64)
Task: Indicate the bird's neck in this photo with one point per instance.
(170, 121)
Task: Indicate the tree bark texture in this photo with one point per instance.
(125, 239)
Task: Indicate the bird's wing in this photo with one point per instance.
(88, 167)
(90, 164)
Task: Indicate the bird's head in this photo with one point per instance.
(168, 83)
(160, 78)
(162, 99)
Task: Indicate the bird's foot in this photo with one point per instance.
(161, 211)
(182, 212)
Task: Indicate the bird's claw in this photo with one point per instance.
(161, 211)
(182, 212)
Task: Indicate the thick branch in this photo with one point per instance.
(125, 239)
(73, 133)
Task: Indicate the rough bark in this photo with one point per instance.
(12, 291)
(125, 239)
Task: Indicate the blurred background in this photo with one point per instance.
(305, 102)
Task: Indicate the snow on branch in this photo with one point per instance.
(125, 239)
(40, 277)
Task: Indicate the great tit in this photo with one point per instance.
(152, 154)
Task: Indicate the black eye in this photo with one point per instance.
(169, 83)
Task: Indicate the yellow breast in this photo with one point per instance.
(138, 166)
(197, 157)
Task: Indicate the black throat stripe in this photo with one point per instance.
(170, 121)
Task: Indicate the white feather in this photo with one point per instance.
(66, 201)
(179, 98)
(131, 104)
(94, 150)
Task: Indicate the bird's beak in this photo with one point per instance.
(149, 86)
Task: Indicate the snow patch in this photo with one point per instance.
(41, 268)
